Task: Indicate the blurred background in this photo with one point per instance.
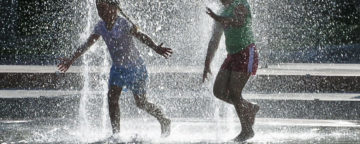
(308, 85)
(310, 31)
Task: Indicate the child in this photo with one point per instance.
(241, 62)
(128, 67)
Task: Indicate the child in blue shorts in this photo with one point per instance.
(128, 68)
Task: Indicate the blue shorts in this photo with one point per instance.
(133, 77)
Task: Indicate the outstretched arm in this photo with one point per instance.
(212, 48)
(238, 20)
(166, 52)
(66, 63)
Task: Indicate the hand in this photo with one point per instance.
(206, 71)
(64, 64)
(211, 13)
(164, 51)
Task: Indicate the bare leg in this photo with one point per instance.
(228, 87)
(242, 107)
(221, 86)
(152, 109)
(114, 109)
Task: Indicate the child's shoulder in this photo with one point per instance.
(122, 20)
(100, 23)
(99, 27)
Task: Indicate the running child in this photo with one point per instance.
(241, 61)
(128, 68)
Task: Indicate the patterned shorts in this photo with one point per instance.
(245, 61)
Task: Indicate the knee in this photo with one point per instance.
(220, 93)
(216, 92)
(141, 104)
(113, 95)
(113, 102)
(235, 93)
(236, 98)
(113, 99)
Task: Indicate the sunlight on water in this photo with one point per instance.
(93, 110)
(89, 118)
(184, 26)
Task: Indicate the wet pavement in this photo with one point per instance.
(194, 98)
(315, 69)
(282, 131)
(279, 78)
(32, 104)
(7, 94)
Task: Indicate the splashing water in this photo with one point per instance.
(93, 110)
(279, 26)
(187, 32)
(88, 116)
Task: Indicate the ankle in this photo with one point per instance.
(247, 130)
(163, 119)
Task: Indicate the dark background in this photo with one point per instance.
(34, 31)
(327, 31)
(314, 31)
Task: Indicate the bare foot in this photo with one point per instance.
(254, 108)
(165, 127)
(244, 136)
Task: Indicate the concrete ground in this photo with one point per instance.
(52, 115)
(32, 104)
(8, 94)
(279, 69)
(217, 127)
(280, 78)
(284, 131)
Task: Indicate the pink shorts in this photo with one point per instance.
(245, 61)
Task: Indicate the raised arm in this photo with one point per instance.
(66, 63)
(212, 47)
(166, 52)
(238, 20)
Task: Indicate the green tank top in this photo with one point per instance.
(238, 38)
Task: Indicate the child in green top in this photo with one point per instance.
(241, 62)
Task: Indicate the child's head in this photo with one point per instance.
(107, 9)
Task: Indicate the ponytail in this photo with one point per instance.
(123, 14)
(117, 4)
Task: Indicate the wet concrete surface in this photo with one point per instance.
(284, 131)
(33, 104)
(321, 69)
(50, 115)
(284, 78)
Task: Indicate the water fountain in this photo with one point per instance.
(175, 83)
